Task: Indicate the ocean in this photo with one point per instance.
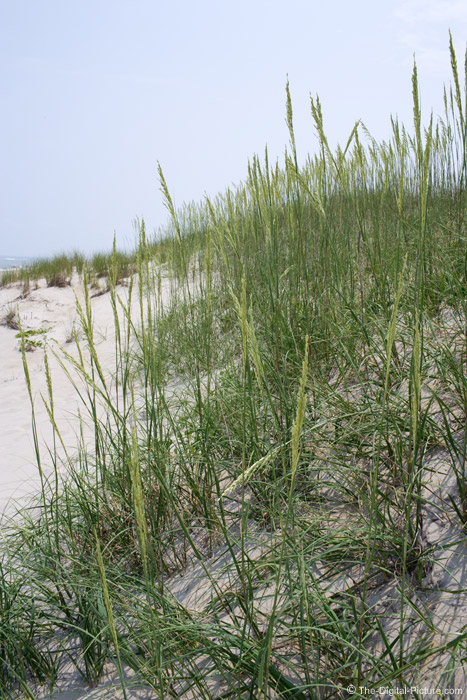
(9, 261)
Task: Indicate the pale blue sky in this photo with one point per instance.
(95, 92)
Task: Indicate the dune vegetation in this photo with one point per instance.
(274, 501)
(58, 270)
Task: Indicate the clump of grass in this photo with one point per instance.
(8, 277)
(120, 265)
(58, 280)
(10, 319)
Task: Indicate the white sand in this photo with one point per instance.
(55, 309)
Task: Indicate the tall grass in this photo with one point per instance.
(295, 363)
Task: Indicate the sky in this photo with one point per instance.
(95, 93)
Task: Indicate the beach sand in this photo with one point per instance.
(54, 310)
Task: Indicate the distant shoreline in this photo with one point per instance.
(13, 262)
(9, 262)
